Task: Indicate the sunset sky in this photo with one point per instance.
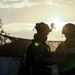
(20, 16)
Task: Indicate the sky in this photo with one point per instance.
(20, 16)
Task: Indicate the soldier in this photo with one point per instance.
(65, 52)
(38, 54)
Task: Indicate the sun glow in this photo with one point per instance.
(58, 23)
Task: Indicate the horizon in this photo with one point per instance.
(27, 32)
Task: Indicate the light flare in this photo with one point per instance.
(58, 23)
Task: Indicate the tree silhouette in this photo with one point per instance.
(2, 32)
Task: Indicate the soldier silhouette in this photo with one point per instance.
(38, 54)
(65, 52)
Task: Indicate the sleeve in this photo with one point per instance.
(59, 53)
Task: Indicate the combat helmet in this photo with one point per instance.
(68, 29)
(42, 27)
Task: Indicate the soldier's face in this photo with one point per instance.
(71, 37)
(45, 37)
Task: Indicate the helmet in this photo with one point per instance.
(42, 27)
(68, 29)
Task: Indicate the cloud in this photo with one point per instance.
(16, 3)
(60, 3)
(28, 34)
(22, 30)
(28, 3)
(14, 27)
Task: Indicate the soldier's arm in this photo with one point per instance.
(39, 57)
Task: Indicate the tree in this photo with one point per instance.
(2, 38)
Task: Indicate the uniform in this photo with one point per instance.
(38, 58)
(65, 52)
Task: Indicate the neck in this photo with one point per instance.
(39, 37)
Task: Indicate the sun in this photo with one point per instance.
(58, 23)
